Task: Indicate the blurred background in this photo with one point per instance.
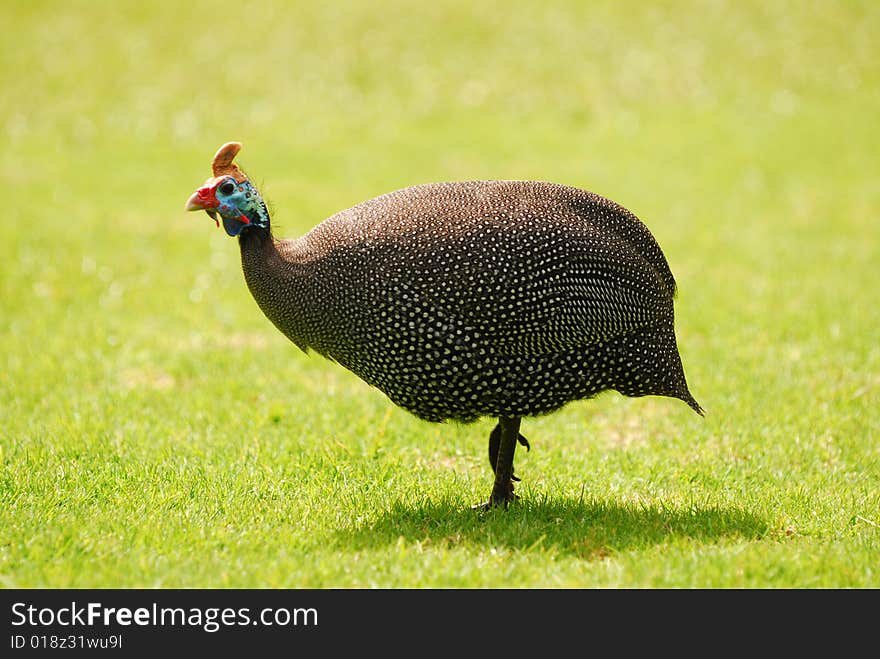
(743, 133)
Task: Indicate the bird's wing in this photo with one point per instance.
(531, 294)
(611, 217)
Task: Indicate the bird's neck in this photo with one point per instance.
(256, 211)
(278, 274)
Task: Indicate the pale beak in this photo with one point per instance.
(203, 199)
(193, 203)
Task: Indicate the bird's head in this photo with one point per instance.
(230, 195)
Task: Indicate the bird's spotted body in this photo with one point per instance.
(463, 300)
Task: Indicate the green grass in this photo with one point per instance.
(156, 430)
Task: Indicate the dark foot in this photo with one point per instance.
(496, 503)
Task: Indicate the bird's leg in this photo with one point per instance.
(506, 434)
(495, 442)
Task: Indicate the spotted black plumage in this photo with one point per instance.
(482, 298)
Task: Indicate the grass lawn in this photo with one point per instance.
(157, 431)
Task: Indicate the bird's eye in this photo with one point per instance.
(227, 188)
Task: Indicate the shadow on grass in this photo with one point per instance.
(587, 529)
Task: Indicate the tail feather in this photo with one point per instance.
(695, 406)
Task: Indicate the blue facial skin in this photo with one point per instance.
(236, 199)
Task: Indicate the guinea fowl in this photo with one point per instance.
(502, 299)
